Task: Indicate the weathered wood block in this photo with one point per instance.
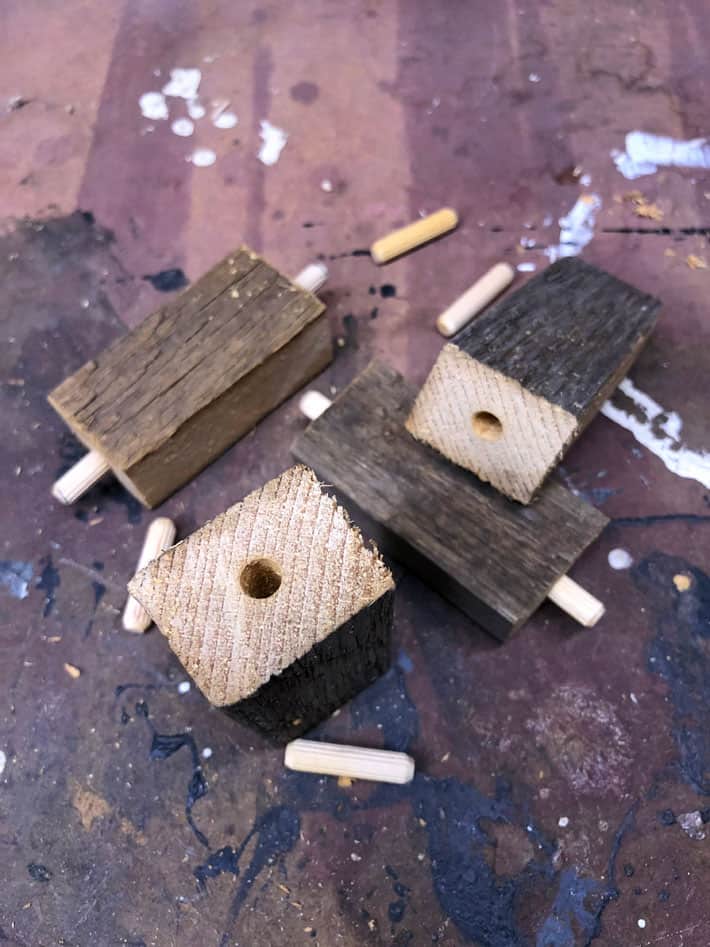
(495, 559)
(169, 397)
(516, 387)
(277, 609)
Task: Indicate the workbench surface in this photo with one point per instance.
(561, 795)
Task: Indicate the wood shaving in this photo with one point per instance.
(696, 262)
(72, 670)
(642, 207)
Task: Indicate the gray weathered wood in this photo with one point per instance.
(169, 397)
(540, 363)
(492, 557)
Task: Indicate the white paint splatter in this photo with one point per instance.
(15, 576)
(273, 142)
(633, 697)
(327, 186)
(692, 825)
(527, 242)
(195, 110)
(577, 228)
(526, 267)
(585, 180)
(183, 84)
(183, 687)
(3, 762)
(153, 106)
(619, 559)
(646, 152)
(206, 753)
(679, 459)
(183, 127)
(563, 821)
(225, 120)
(641, 923)
(202, 157)
(534, 77)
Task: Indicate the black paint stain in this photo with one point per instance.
(339, 256)
(374, 313)
(304, 92)
(49, 581)
(660, 518)
(662, 231)
(396, 910)
(388, 290)
(678, 654)
(39, 872)
(168, 281)
(350, 331)
(106, 493)
(99, 591)
(372, 290)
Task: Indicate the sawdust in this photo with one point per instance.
(642, 207)
(696, 262)
(89, 805)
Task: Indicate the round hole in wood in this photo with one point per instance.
(260, 578)
(487, 426)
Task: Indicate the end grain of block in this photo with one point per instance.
(277, 609)
(413, 235)
(511, 392)
(169, 397)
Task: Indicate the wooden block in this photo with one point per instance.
(169, 397)
(277, 608)
(495, 559)
(512, 392)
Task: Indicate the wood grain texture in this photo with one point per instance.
(170, 396)
(493, 558)
(541, 362)
(232, 643)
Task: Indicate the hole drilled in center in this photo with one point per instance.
(487, 426)
(260, 578)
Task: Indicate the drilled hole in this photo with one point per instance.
(260, 578)
(487, 426)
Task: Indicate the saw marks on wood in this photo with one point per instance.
(257, 587)
(514, 389)
(467, 410)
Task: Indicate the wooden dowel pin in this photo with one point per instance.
(355, 762)
(483, 291)
(80, 478)
(413, 235)
(567, 594)
(160, 535)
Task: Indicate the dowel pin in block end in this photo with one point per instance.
(80, 478)
(576, 601)
(312, 277)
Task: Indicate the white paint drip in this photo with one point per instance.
(3, 762)
(225, 120)
(646, 152)
(195, 110)
(183, 127)
(273, 142)
(577, 228)
(183, 84)
(526, 267)
(619, 559)
(15, 576)
(202, 157)
(206, 753)
(679, 459)
(153, 106)
(563, 821)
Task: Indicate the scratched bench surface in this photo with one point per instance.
(561, 791)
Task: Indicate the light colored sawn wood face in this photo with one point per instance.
(516, 456)
(231, 643)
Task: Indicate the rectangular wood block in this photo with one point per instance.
(494, 558)
(169, 397)
(511, 392)
(277, 609)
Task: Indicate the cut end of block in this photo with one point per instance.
(489, 424)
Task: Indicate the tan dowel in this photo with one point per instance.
(312, 277)
(565, 593)
(159, 536)
(413, 235)
(576, 601)
(483, 291)
(332, 759)
(313, 404)
(80, 478)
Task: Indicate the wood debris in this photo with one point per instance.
(642, 207)
(72, 670)
(696, 262)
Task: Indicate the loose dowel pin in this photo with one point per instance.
(355, 762)
(92, 466)
(80, 478)
(159, 536)
(468, 305)
(413, 235)
(567, 594)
